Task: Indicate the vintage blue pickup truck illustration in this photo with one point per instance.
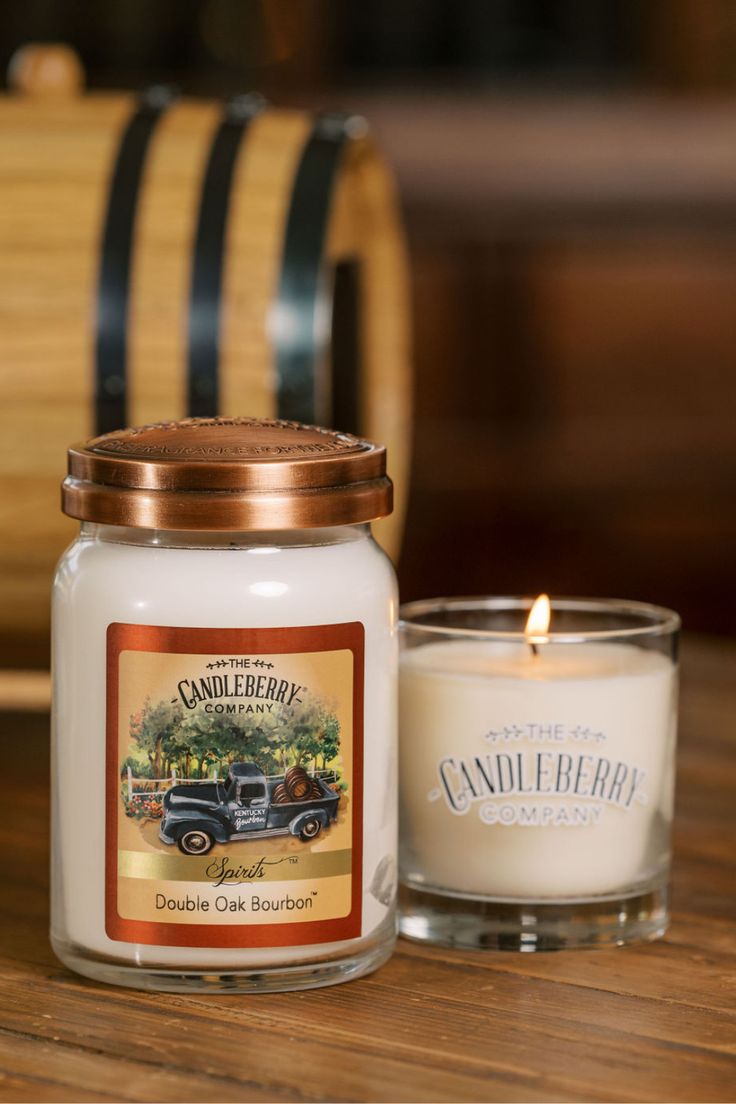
(247, 805)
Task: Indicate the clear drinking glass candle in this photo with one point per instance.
(536, 771)
(225, 654)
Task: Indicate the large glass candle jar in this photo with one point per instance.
(537, 771)
(224, 751)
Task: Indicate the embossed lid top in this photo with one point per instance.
(227, 474)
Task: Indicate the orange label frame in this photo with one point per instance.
(234, 642)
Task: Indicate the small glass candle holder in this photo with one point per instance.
(536, 771)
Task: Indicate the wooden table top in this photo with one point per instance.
(648, 1023)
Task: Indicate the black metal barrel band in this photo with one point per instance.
(113, 288)
(203, 392)
(295, 333)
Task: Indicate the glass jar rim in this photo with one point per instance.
(660, 621)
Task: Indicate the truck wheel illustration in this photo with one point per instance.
(310, 829)
(196, 843)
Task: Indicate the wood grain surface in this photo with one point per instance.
(648, 1023)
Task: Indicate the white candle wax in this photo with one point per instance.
(306, 579)
(526, 777)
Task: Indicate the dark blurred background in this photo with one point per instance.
(568, 176)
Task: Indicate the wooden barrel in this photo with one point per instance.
(303, 313)
(280, 795)
(298, 783)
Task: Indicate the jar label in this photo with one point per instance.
(234, 785)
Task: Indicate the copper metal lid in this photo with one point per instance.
(227, 474)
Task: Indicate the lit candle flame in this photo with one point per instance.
(537, 623)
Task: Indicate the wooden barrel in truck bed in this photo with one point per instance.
(163, 257)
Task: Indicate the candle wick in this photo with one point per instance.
(534, 648)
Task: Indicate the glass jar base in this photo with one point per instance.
(271, 979)
(429, 917)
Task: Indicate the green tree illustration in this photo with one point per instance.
(330, 739)
(139, 769)
(194, 742)
(154, 729)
